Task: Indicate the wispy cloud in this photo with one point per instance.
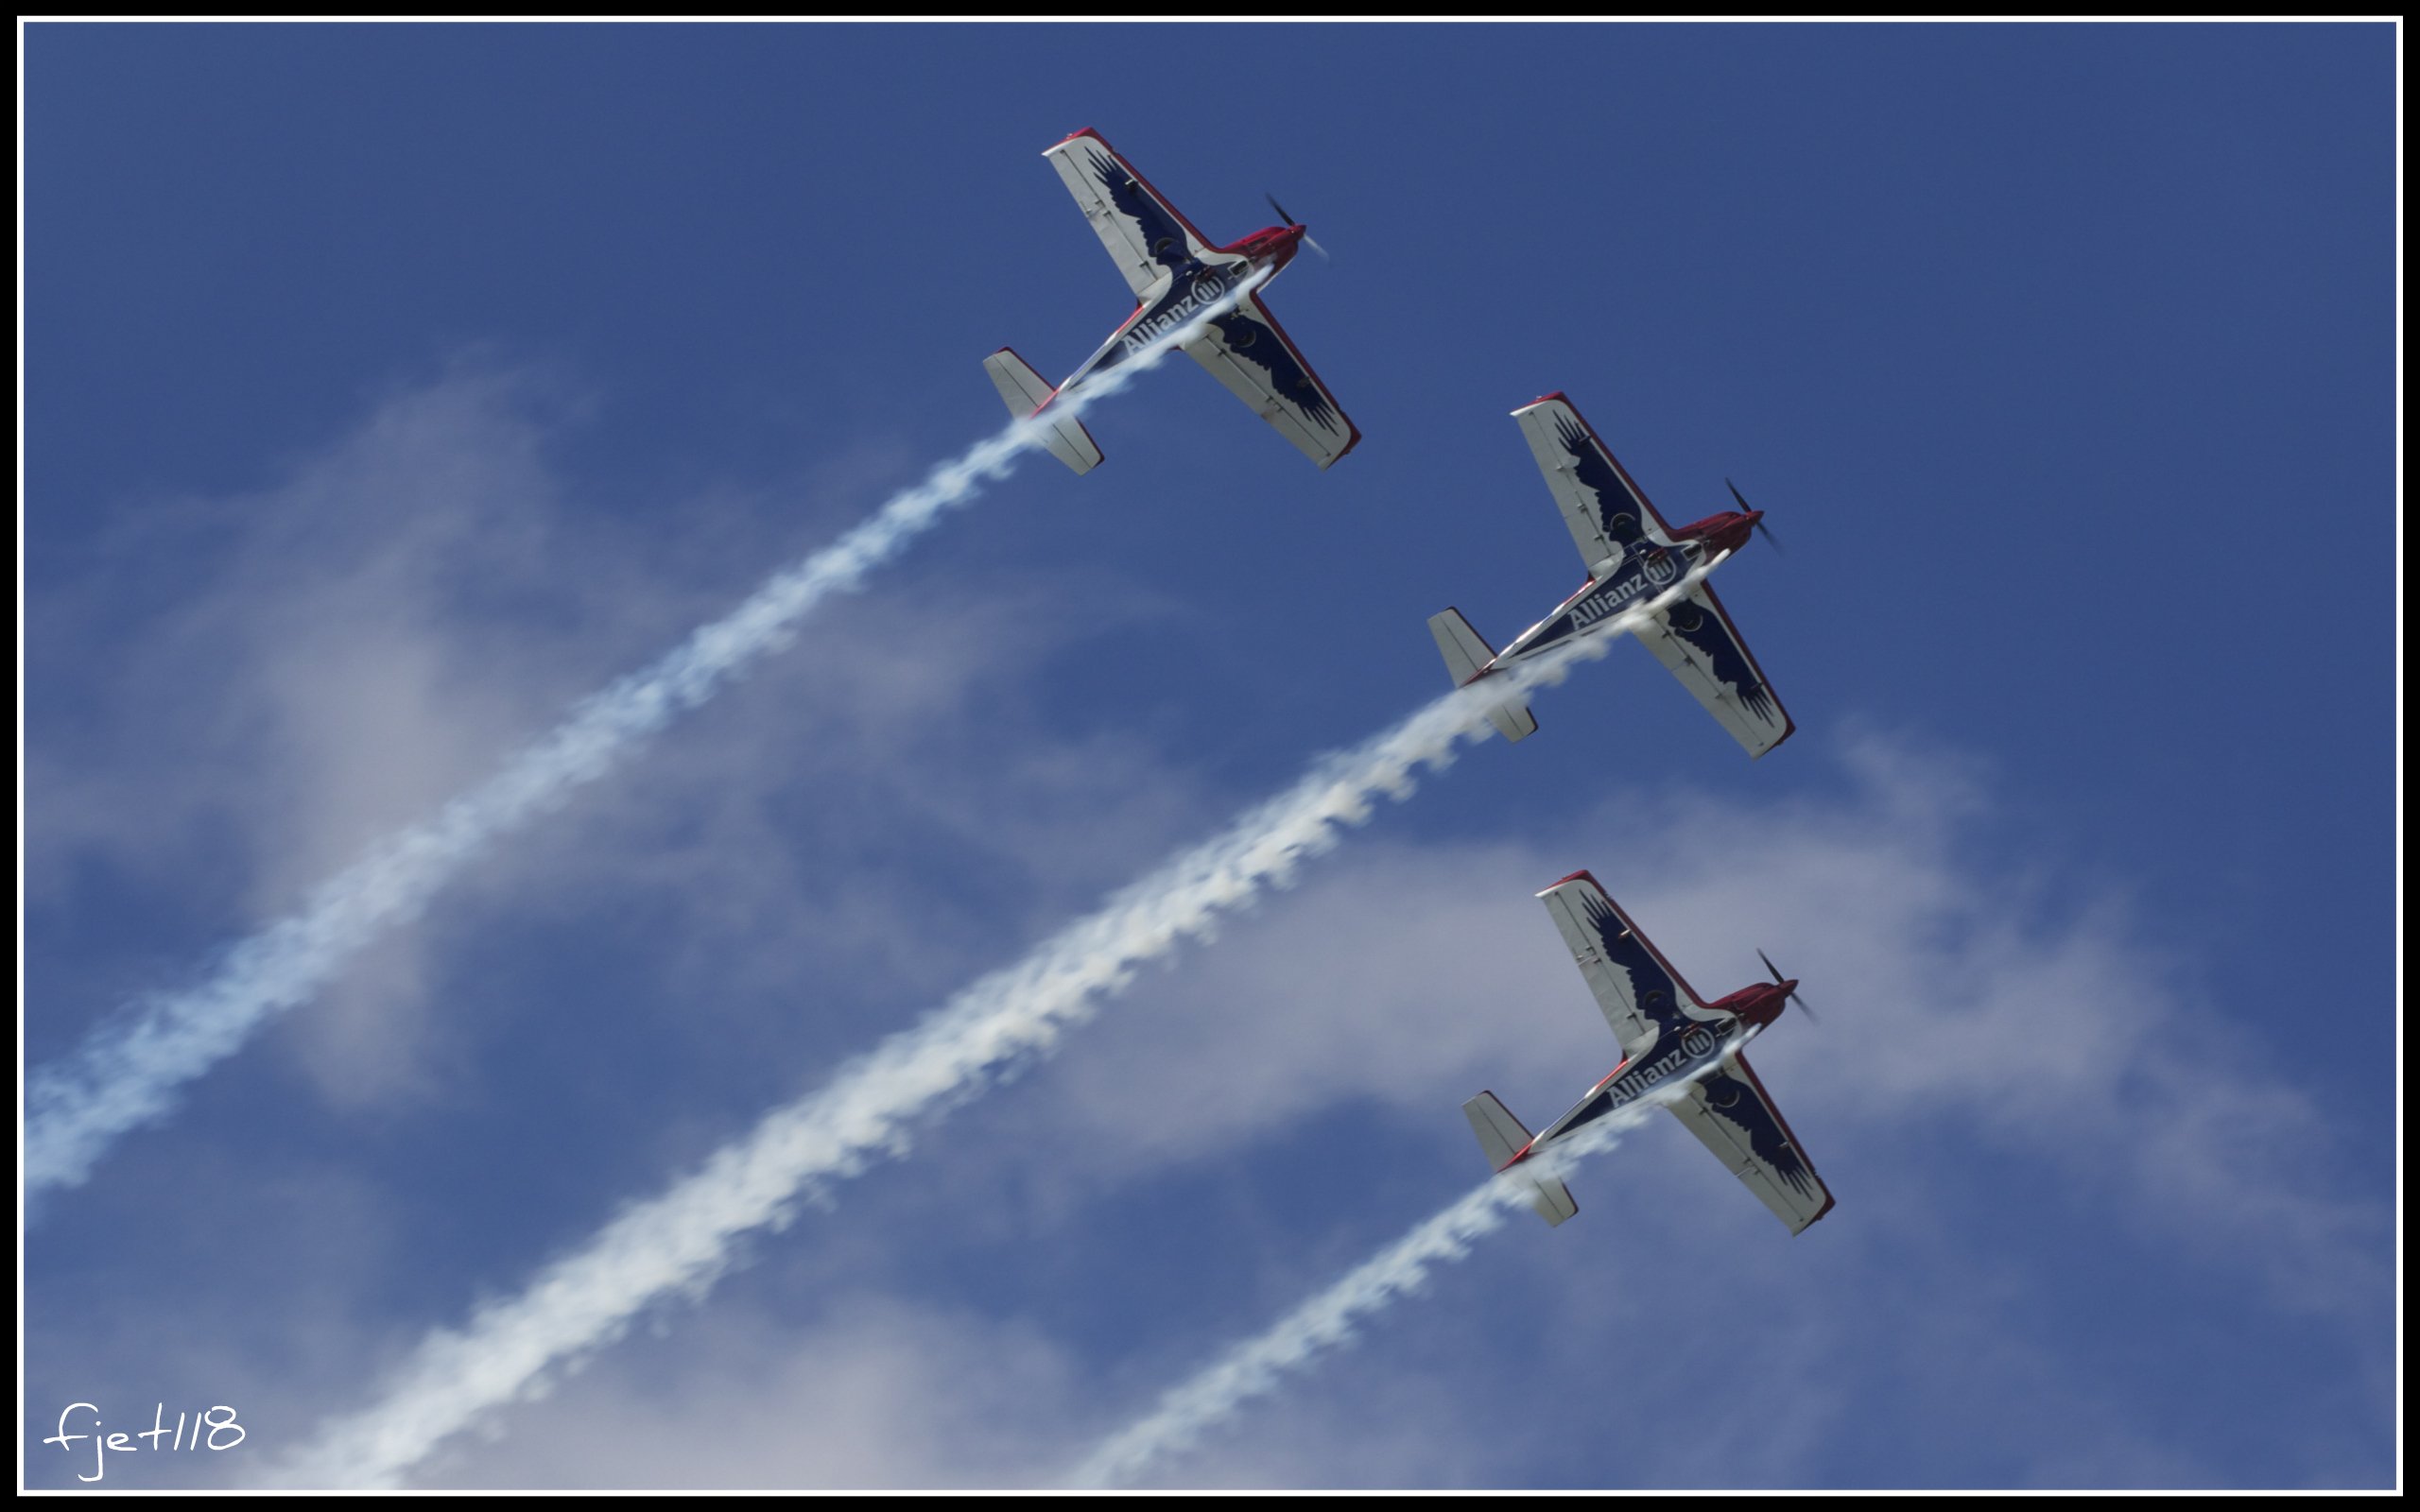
(126, 1072)
(1260, 1364)
(682, 1241)
(1405, 973)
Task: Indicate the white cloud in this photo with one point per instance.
(1952, 992)
(878, 1392)
(1968, 999)
(1403, 976)
(127, 1072)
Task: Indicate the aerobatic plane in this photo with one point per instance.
(1633, 556)
(1176, 272)
(1666, 1032)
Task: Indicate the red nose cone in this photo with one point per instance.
(1778, 999)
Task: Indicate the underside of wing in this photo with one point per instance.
(1639, 993)
(1697, 641)
(1731, 1114)
(1247, 350)
(1603, 509)
(1146, 237)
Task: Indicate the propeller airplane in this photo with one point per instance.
(1668, 1033)
(1632, 557)
(1176, 273)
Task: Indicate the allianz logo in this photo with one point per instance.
(1697, 1046)
(1656, 570)
(1206, 291)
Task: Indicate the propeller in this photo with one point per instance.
(1762, 529)
(1778, 979)
(1291, 221)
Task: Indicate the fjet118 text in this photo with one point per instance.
(211, 1431)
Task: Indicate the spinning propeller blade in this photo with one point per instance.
(1762, 529)
(1291, 221)
(1779, 979)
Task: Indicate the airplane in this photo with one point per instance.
(1175, 272)
(1631, 556)
(1667, 1031)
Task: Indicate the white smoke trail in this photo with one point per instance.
(682, 1241)
(126, 1072)
(1258, 1366)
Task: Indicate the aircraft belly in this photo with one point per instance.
(1645, 572)
(1167, 305)
(1692, 1050)
(1538, 637)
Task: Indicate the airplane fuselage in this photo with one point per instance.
(1642, 570)
(1689, 1046)
(1673, 1057)
(1193, 286)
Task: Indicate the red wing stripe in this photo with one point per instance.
(1632, 924)
(1775, 1109)
(1309, 373)
(1131, 172)
(1628, 482)
(1789, 725)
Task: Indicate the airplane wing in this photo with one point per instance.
(1730, 1112)
(1249, 352)
(1639, 993)
(1145, 235)
(1698, 642)
(1605, 509)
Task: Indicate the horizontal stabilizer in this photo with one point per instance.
(1025, 393)
(1514, 720)
(1553, 1203)
(1501, 1138)
(1467, 655)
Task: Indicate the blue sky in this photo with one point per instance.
(387, 389)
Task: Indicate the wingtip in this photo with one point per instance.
(1348, 447)
(1791, 728)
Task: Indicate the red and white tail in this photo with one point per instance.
(1025, 393)
(1501, 1138)
(1467, 654)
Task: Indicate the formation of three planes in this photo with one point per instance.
(1666, 1032)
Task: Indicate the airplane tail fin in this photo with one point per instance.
(1501, 1138)
(1025, 393)
(1466, 654)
